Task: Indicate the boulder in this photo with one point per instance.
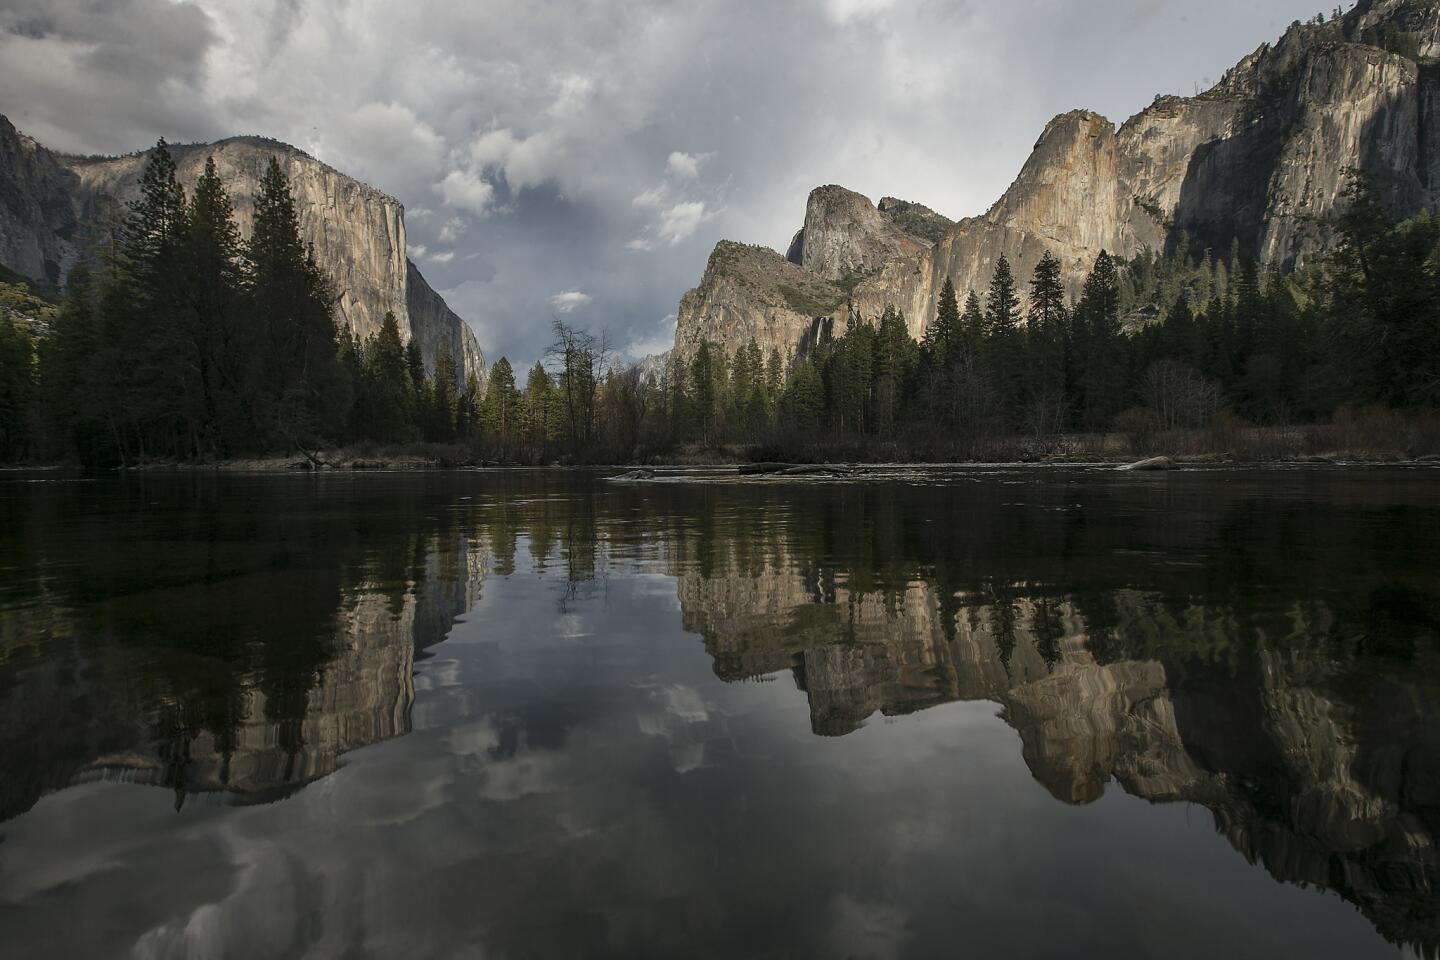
(1153, 463)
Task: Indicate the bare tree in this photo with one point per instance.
(1180, 398)
(579, 358)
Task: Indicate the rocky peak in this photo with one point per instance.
(1073, 167)
(846, 236)
(753, 292)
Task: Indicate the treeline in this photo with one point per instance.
(191, 344)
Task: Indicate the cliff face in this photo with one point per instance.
(784, 303)
(846, 236)
(753, 292)
(54, 209)
(1260, 159)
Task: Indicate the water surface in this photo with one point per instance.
(988, 713)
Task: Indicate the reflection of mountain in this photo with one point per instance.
(288, 680)
(1267, 647)
(1311, 765)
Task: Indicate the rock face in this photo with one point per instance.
(56, 210)
(1259, 160)
(754, 292)
(845, 236)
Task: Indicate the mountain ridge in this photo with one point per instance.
(1259, 159)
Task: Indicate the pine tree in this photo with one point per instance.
(896, 357)
(541, 417)
(1098, 316)
(294, 364)
(943, 334)
(211, 322)
(706, 395)
(1049, 378)
(17, 390)
(386, 397)
(972, 325)
(1003, 347)
(77, 385)
(501, 414)
(849, 375)
(143, 310)
(774, 381)
(803, 402)
(443, 400)
(467, 410)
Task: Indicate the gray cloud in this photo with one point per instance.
(605, 147)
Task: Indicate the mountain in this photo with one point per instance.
(56, 210)
(1259, 160)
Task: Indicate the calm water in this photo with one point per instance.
(537, 715)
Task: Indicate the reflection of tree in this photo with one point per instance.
(244, 656)
(1271, 658)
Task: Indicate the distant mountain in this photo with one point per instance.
(56, 210)
(1259, 160)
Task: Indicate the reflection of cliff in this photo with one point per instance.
(1307, 766)
(315, 690)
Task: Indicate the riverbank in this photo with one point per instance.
(1370, 440)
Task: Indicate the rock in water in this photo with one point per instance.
(1154, 463)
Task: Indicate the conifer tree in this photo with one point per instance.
(1098, 316)
(1049, 376)
(541, 417)
(943, 334)
(896, 356)
(972, 324)
(501, 413)
(142, 305)
(442, 397)
(803, 402)
(294, 365)
(1003, 347)
(386, 398)
(213, 331)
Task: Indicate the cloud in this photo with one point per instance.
(451, 230)
(596, 129)
(682, 220)
(464, 190)
(844, 11)
(683, 166)
(569, 301)
(651, 198)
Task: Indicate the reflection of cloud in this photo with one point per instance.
(867, 931)
(520, 776)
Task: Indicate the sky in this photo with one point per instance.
(580, 159)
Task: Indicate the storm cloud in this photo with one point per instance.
(547, 149)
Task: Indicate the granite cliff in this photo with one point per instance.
(1259, 160)
(55, 210)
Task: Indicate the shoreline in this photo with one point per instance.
(743, 469)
